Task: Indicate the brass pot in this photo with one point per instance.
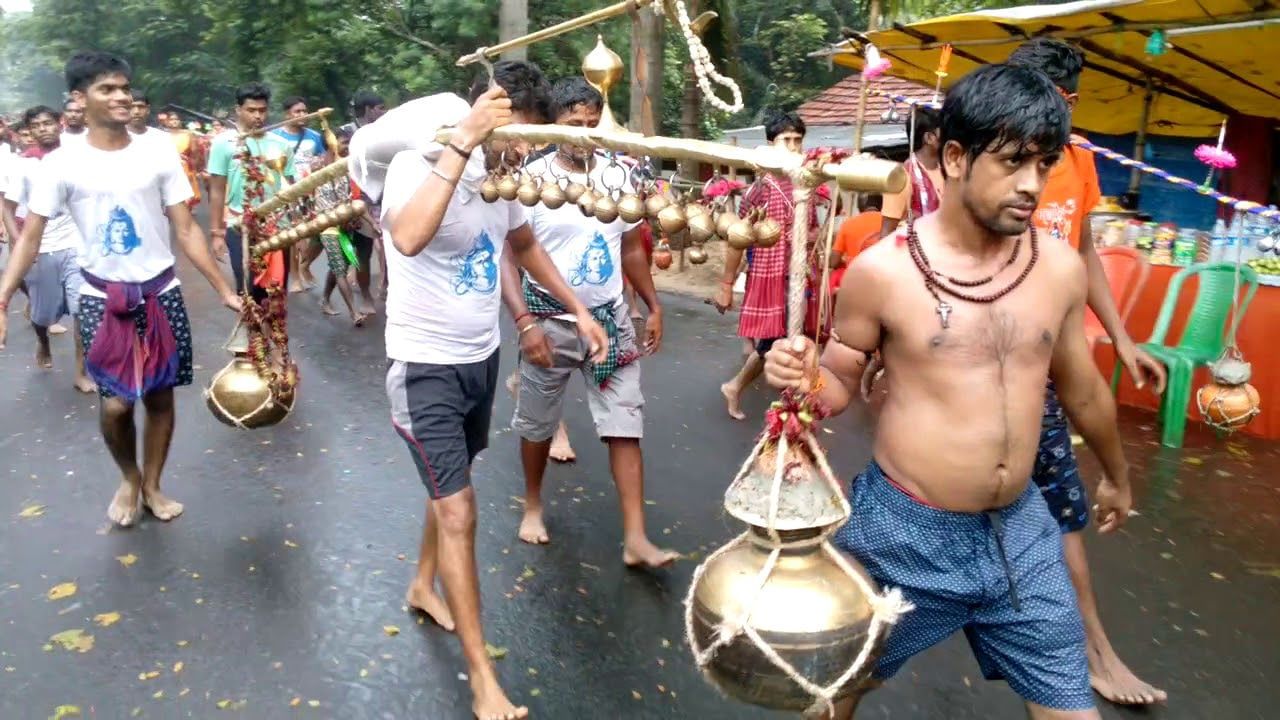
(654, 205)
(672, 219)
(573, 191)
(237, 394)
(529, 193)
(508, 188)
(742, 234)
(358, 207)
(701, 227)
(696, 255)
(724, 221)
(553, 196)
(587, 202)
(631, 208)
(489, 190)
(809, 611)
(606, 209)
(768, 232)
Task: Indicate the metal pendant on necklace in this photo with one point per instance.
(944, 313)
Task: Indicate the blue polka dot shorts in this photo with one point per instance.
(91, 311)
(1056, 472)
(998, 576)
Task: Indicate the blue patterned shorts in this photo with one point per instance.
(1056, 472)
(952, 567)
(90, 315)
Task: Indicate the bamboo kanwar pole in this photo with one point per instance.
(305, 186)
(590, 18)
(322, 112)
(857, 173)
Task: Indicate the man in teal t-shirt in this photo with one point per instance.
(307, 144)
(227, 175)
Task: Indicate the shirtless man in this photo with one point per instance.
(946, 511)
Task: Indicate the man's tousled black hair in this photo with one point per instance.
(777, 122)
(528, 88)
(86, 67)
(1061, 61)
(31, 113)
(568, 93)
(253, 91)
(996, 106)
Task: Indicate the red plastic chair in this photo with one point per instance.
(1126, 270)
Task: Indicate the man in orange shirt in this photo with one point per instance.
(1062, 215)
(855, 233)
(923, 191)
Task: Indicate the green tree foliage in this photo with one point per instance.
(195, 52)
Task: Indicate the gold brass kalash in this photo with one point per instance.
(258, 387)
(777, 617)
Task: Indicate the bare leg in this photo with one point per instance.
(297, 282)
(309, 255)
(157, 433)
(1039, 712)
(456, 515)
(44, 354)
(732, 390)
(533, 456)
(1107, 673)
(422, 593)
(382, 264)
(83, 382)
(121, 436)
(627, 464)
(344, 288)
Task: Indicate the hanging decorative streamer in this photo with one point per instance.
(1217, 158)
(1249, 206)
(875, 64)
(943, 61)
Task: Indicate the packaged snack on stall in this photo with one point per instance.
(1185, 246)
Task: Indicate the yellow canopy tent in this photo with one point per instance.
(1214, 60)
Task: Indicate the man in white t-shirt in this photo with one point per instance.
(73, 130)
(444, 249)
(591, 258)
(139, 115)
(122, 194)
(53, 284)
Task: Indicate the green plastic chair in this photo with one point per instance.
(1202, 339)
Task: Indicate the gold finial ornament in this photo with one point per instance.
(603, 68)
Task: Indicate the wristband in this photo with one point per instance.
(527, 328)
(452, 182)
(465, 155)
(520, 317)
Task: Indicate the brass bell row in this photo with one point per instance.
(310, 228)
(603, 205)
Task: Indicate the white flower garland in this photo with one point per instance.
(703, 67)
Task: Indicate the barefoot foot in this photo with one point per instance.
(1115, 682)
(561, 450)
(732, 397)
(326, 307)
(44, 359)
(643, 553)
(359, 320)
(85, 384)
(491, 703)
(164, 508)
(532, 528)
(424, 598)
(123, 509)
(57, 329)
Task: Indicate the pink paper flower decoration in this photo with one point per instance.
(1215, 157)
(875, 66)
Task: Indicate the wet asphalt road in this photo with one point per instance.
(273, 595)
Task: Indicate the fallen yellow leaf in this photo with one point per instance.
(73, 640)
(149, 675)
(535, 692)
(32, 511)
(62, 590)
(182, 643)
(1217, 576)
(495, 652)
(391, 630)
(364, 672)
(183, 692)
(295, 702)
(635, 694)
(107, 619)
(65, 711)
(177, 667)
(127, 560)
(157, 695)
(313, 703)
(290, 543)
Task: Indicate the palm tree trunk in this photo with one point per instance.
(874, 11)
(513, 21)
(646, 71)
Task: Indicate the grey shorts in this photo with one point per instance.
(53, 283)
(443, 412)
(617, 408)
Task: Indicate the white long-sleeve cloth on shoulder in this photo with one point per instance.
(411, 126)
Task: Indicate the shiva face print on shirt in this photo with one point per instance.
(594, 266)
(119, 235)
(476, 269)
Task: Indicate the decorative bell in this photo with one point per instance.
(768, 232)
(701, 227)
(742, 234)
(587, 202)
(553, 196)
(654, 205)
(529, 193)
(696, 255)
(489, 190)
(508, 188)
(606, 209)
(724, 221)
(573, 191)
(631, 208)
(672, 219)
